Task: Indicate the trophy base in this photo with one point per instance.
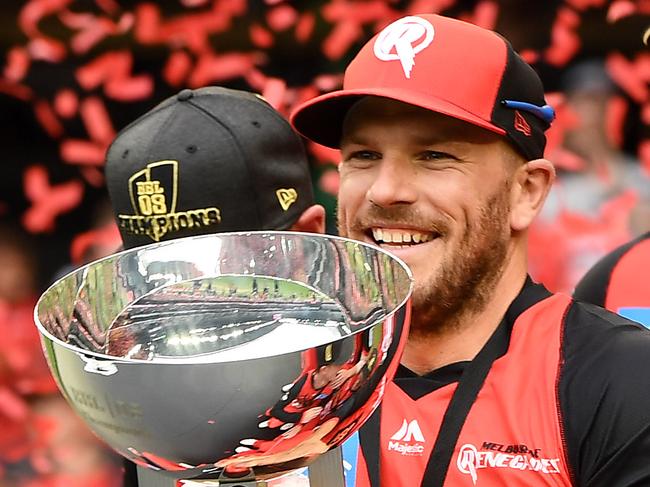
(325, 471)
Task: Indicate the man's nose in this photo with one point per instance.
(394, 183)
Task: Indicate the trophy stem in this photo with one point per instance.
(327, 470)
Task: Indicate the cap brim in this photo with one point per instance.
(321, 119)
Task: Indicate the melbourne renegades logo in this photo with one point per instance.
(402, 40)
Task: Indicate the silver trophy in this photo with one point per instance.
(229, 359)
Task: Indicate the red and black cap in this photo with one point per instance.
(444, 65)
(205, 161)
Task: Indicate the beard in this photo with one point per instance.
(465, 280)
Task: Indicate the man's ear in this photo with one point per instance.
(532, 182)
(312, 220)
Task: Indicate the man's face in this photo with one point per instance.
(434, 191)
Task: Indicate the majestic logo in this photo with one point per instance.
(408, 440)
(470, 460)
(402, 40)
(521, 124)
(153, 192)
(286, 197)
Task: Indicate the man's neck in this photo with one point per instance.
(424, 353)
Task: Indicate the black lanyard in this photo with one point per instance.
(469, 385)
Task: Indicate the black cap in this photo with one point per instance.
(205, 161)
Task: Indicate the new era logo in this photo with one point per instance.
(286, 197)
(522, 125)
(409, 432)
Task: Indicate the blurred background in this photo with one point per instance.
(73, 73)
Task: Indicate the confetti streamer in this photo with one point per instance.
(282, 17)
(82, 152)
(47, 201)
(18, 63)
(261, 37)
(177, 68)
(66, 103)
(620, 9)
(616, 112)
(626, 76)
(274, 91)
(48, 119)
(305, 27)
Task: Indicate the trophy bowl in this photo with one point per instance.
(252, 351)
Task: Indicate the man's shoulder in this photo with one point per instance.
(590, 329)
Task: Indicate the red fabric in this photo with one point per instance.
(516, 406)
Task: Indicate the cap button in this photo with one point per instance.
(185, 95)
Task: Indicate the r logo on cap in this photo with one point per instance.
(402, 40)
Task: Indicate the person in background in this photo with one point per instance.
(441, 127)
(602, 202)
(205, 161)
(618, 281)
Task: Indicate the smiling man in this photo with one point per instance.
(441, 130)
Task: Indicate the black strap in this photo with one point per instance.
(461, 402)
(469, 385)
(369, 441)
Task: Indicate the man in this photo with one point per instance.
(441, 130)
(618, 282)
(206, 161)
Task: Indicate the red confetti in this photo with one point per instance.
(82, 152)
(620, 9)
(256, 79)
(274, 91)
(16, 90)
(616, 112)
(92, 34)
(44, 49)
(17, 64)
(92, 176)
(565, 43)
(96, 120)
(626, 76)
(34, 11)
(282, 17)
(432, 6)
(305, 26)
(66, 103)
(12, 405)
(106, 237)
(486, 14)
(177, 68)
(48, 201)
(111, 7)
(341, 38)
(645, 113)
(113, 69)
(530, 56)
(261, 37)
(211, 68)
(585, 4)
(644, 155)
(47, 118)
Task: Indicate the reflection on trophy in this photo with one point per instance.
(229, 359)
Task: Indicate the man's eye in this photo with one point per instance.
(433, 155)
(363, 155)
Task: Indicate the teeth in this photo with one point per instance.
(385, 235)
